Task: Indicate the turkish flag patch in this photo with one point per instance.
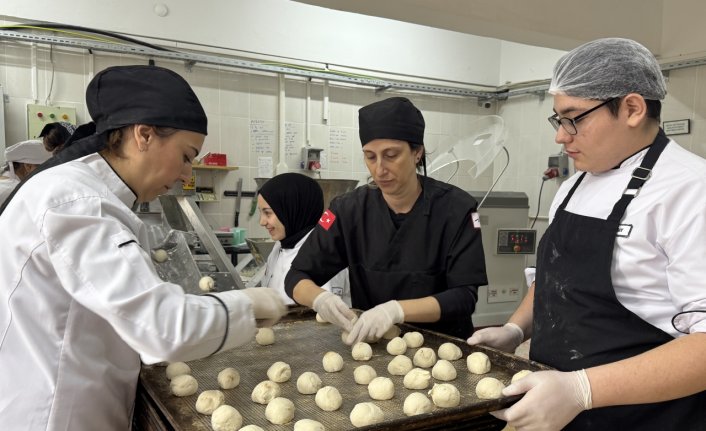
(327, 219)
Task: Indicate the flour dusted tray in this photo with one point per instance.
(302, 342)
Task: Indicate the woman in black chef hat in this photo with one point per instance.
(80, 301)
(412, 244)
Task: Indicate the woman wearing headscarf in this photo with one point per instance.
(80, 300)
(22, 159)
(290, 206)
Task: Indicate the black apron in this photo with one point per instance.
(579, 322)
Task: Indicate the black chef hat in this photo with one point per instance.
(124, 95)
(393, 118)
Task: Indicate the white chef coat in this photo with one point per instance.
(658, 270)
(7, 185)
(280, 260)
(81, 302)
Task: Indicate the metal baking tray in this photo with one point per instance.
(302, 342)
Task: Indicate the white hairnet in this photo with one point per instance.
(31, 152)
(606, 68)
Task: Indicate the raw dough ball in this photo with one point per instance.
(328, 399)
(344, 338)
(444, 370)
(206, 284)
(308, 383)
(228, 378)
(450, 352)
(184, 385)
(333, 362)
(364, 374)
(226, 418)
(396, 346)
(279, 372)
(417, 379)
(362, 351)
(413, 339)
(160, 255)
(366, 414)
(478, 363)
(308, 425)
(425, 357)
(489, 388)
(445, 395)
(265, 391)
(381, 388)
(391, 333)
(520, 374)
(417, 403)
(399, 365)
(279, 411)
(209, 401)
(320, 320)
(177, 369)
(265, 336)
(251, 428)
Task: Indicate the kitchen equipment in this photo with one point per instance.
(260, 248)
(238, 198)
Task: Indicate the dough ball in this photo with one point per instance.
(308, 425)
(160, 255)
(226, 418)
(445, 395)
(450, 352)
(399, 365)
(396, 346)
(251, 428)
(177, 369)
(381, 388)
(478, 363)
(206, 284)
(364, 414)
(279, 411)
(344, 338)
(279, 372)
(328, 399)
(209, 401)
(489, 388)
(320, 320)
(362, 351)
(308, 383)
(265, 391)
(391, 333)
(265, 336)
(364, 374)
(413, 339)
(425, 357)
(184, 385)
(443, 370)
(333, 362)
(417, 403)
(520, 374)
(417, 378)
(228, 378)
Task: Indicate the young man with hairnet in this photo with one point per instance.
(618, 306)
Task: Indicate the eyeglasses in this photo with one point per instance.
(569, 124)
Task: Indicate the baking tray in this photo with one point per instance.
(302, 342)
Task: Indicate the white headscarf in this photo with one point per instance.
(31, 152)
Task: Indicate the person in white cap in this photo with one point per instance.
(22, 158)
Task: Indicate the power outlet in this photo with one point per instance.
(39, 116)
(498, 294)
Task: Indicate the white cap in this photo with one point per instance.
(31, 152)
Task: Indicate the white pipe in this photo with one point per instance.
(307, 115)
(325, 112)
(282, 165)
(35, 74)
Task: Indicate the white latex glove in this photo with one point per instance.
(505, 338)
(332, 309)
(552, 400)
(373, 323)
(267, 305)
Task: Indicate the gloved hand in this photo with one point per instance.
(373, 323)
(505, 338)
(267, 305)
(552, 400)
(332, 309)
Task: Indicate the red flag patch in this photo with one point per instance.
(327, 219)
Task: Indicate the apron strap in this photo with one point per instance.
(571, 192)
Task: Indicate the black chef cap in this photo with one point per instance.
(393, 118)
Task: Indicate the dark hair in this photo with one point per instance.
(55, 137)
(114, 139)
(654, 108)
(420, 163)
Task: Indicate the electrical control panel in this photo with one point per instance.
(516, 241)
(560, 162)
(39, 116)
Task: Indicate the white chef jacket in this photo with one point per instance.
(81, 302)
(658, 269)
(280, 260)
(7, 185)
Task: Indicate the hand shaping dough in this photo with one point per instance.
(320, 320)
(364, 374)
(328, 399)
(450, 352)
(381, 388)
(366, 414)
(520, 374)
(308, 425)
(413, 339)
(265, 391)
(417, 378)
(478, 363)
(362, 351)
(265, 336)
(489, 388)
(160, 255)
(209, 401)
(279, 411)
(391, 333)
(332, 362)
(226, 418)
(177, 369)
(184, 385)
(206, 284)
(279, 372)
(425, 357)
(396, 346)
(308, 383)
(228, 378)
(399, 365)
(445, 395)
(417, 403)
(443, 370)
